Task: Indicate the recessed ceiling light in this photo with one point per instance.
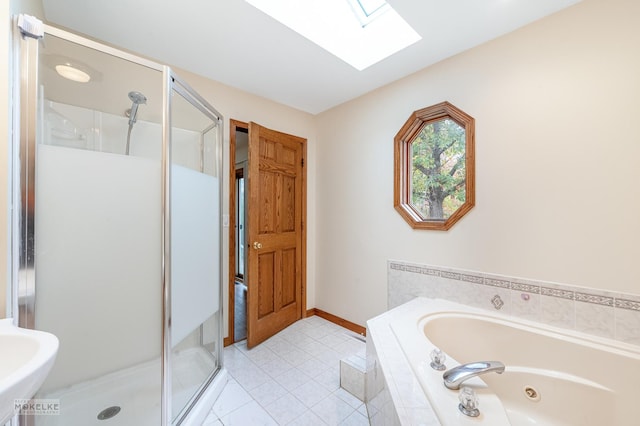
(71, 68)
(359, 32)
(71, 73)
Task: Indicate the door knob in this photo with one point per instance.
(257, 245)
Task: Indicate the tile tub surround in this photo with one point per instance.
(352, 375)
(600, 313)
(394, 395)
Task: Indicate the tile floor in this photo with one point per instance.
(291, 379)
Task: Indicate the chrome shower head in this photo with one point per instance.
(137, 98)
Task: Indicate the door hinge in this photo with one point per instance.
(302, 162)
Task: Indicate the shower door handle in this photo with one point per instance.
(257, 245)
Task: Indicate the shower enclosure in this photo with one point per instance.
(119, 189)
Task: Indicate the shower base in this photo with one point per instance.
(132, 396)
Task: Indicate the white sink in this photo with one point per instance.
(26, 357)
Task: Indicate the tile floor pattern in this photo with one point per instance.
(291, 379)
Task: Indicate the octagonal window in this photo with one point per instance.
(434, 167)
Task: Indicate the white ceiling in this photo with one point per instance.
(231, 42)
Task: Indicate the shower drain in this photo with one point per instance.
(107, 413)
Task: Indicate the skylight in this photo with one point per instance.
(368, 10)
(360, 32)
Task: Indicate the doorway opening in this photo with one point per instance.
(240, 287)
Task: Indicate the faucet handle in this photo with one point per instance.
(468, 402)
(437, 360)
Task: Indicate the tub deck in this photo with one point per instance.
(552, 377)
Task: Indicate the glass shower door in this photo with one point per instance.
(119, 233)
(97, 243)
(195, 248)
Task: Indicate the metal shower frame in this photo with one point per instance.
(25, 122)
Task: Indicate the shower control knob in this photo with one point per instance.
(257, 245)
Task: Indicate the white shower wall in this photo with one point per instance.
(77, 127)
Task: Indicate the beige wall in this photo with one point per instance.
(239, 105)
(557, 148)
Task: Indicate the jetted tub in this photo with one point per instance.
(552, 376)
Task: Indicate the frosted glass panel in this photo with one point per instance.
(98, 260)
(195, 254)
(195, 249)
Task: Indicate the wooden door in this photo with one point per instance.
(276, 188)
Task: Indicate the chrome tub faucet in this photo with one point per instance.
(454, 377)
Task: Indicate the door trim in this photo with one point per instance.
(233, 126)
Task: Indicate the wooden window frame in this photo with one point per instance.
(402, 164)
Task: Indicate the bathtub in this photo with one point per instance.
(552, 376)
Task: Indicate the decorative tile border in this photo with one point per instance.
(594, 298)
(450, 275)
(472, 279)
(596, 312)
(556, 292)
(627, 304)
(577, 294)
(497, 283)
(527, 288)
(416, 269)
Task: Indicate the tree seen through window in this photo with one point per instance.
(438, 169)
